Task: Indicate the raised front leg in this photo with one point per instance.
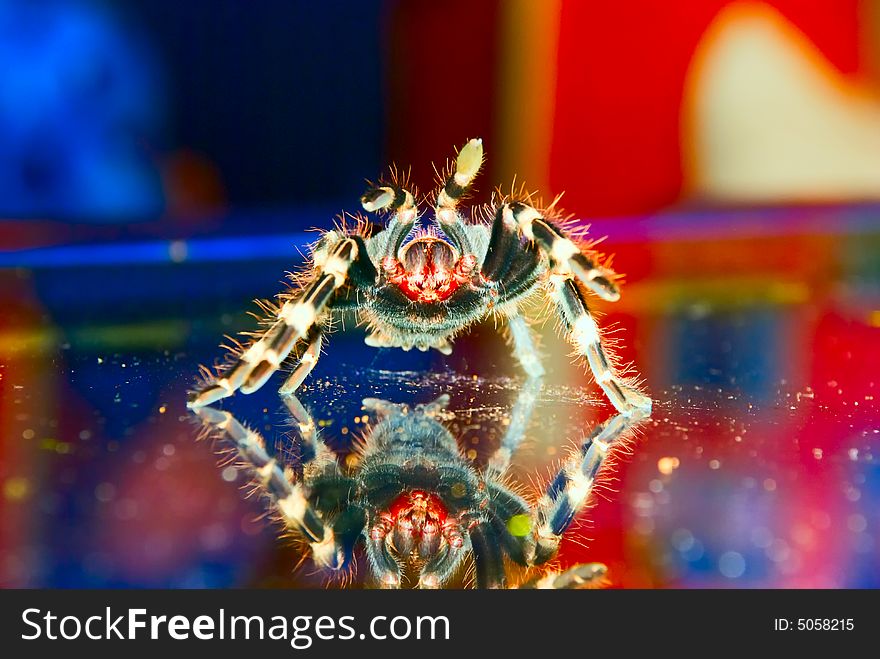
(455, 187)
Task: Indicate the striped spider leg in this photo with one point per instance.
(419, 282)
(417, 505)
(288, 496)
(568, 494)
(568, 264)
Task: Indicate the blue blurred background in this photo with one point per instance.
(128, 111)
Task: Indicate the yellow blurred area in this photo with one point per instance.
(16, 488)
(766, 118)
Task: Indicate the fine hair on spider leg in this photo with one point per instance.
(421, 510)
(417, 275)
(288, 499)
(426, 277)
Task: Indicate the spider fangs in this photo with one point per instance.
(429, 269)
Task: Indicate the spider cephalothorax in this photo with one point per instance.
(419, 508)
(421, 280)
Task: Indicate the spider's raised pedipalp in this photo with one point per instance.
(456, 186)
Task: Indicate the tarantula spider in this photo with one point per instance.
(421, 288)
(418, 506)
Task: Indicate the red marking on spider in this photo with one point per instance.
(430, 270)
(418, 513)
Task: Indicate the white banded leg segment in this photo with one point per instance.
(584, 334)
(299, 317)
(391, 198)
(520, 416)
(467, 166)
(307, 363)
(222, 388)
(237, 374)
(288, 499)
(524, 347)
(401, 204)
(296, 318)
(569, 491)
(565, 255)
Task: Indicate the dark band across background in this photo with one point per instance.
(525, 623)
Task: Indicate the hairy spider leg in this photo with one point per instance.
(517, 220)
(583, 575)
(569, 491)
(520, 416)
(524, 349)
(382, 562)
(392, 198)
(530, 536)
(565, 256)
(404, 212)
(296, 318)
(510, 268)
(584, 334)
(441, 568)
(488, 555)
(288, 499)
(510, 517)
(307, 362)
(348, 523)
(467, 166)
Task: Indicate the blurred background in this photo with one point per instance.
(161, 163)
